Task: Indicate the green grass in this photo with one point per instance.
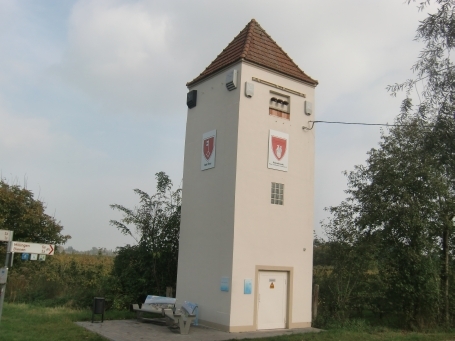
(23, 322)
(360, 330)
(346, 335)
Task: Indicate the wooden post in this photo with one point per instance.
(315, 302)
(8, 261)
(169, 292)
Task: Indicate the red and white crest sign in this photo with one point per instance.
(278, 157)
(209, 143)
(208, 150)
(279, 146)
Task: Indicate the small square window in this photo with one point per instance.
(277, 195)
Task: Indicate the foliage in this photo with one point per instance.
(348, 275)
(396, 224)
(22, 213)
(63, 279)
(151, 265)
(435, 74)
(386, 236)
(434, 69)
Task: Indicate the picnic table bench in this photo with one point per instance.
(183, 316)
(155, 305)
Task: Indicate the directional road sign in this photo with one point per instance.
(6, 236)
(24, 247)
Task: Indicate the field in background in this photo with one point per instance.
(62, 280)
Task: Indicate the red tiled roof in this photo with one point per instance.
(253, 44)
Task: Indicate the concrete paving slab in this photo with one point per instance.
(132, 330)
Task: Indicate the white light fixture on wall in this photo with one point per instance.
(308, 108)
(249, 89)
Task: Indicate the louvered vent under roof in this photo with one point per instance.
(231, 80)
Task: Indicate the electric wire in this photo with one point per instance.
(355, 123)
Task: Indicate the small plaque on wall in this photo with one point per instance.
(224, 285)
(208, 150)
(278, 150)
(248, 287)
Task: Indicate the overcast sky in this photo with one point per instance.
(92, 93)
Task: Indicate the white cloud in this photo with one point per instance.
(23, 134)
(9, 9)
(118, 54)
(113, 39)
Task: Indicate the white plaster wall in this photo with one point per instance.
(208, 199)
(267, 234)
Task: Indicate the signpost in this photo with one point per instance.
(24, 247)
(19, 247)
(6, 236)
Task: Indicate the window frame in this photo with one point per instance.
(279, 109)
(277, 193)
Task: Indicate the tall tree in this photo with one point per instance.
(402, 201)
(398, 202)
(155, 225)
(435, 76)
(22, 213)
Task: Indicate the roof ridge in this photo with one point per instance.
(249, 36)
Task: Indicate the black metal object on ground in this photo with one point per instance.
(98, 307)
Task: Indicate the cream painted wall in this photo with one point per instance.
(206, 232)
(229, 227)
(267, 234)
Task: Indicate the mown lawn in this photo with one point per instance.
(23, 322)
(346, 335)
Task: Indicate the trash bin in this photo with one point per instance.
(98, 307)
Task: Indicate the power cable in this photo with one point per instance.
(355, 123)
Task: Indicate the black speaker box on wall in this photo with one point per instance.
(191, 98)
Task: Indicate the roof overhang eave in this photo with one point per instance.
(195, 82)
(316, 83)
(214, 73)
